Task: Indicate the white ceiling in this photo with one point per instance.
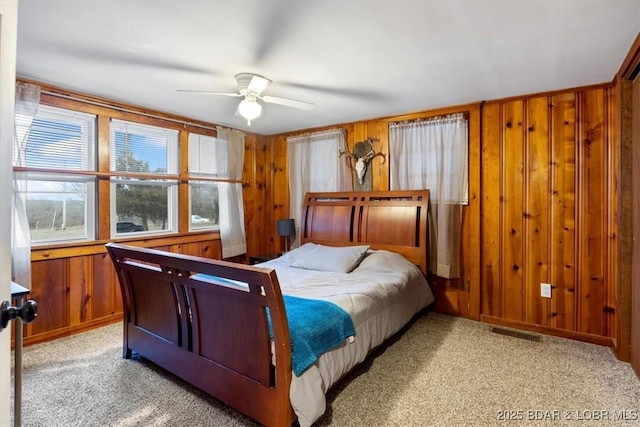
(354, 60)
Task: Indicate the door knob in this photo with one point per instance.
(27, 312)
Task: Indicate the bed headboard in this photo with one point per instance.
(391, 220)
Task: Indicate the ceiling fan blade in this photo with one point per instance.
(367, 95)
(288, 102)
(258, 84)
(207, 92)
(273, 23)
(122, 57)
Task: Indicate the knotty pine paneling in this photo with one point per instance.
(511, 210)
(252, 192)
(378, 129)
(80, 288)
(452, 296)
(263, 194)
(548, 211)
(50, 290)
(563, 211)
(491, 242)
(76, 288)
(591, 212)
(535, 218)
(280, 191)
(105, 299)
(542, 207)
(207, 249)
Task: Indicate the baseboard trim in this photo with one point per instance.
(70, 330)
(578, 336)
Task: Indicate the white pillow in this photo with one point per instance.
(295, 254)
(381, 261)
(341, 259)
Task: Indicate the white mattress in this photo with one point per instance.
(382, 294)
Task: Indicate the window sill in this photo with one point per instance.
(65, 250)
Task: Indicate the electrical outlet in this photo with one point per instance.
(545, 290)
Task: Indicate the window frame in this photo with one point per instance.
(85, 173)
(172, 204)
(167, 179)
(106, 110)
(199, 178)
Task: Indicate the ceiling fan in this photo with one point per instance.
(251, 86)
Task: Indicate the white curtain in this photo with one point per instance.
(232, 232)
(433, 154)
(314, 166)
(27, 101)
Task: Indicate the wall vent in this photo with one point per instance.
(516, 334)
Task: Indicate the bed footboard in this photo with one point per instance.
(208, 322)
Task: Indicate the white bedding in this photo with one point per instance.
(382, 294)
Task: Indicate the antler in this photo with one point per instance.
(371, 154)
(346, 152)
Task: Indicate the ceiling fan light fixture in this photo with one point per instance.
(249, 110)
(250, 88)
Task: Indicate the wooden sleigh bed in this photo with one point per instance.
(223, 327)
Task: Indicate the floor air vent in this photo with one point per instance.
(516, 334)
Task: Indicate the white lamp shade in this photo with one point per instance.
(249, 109)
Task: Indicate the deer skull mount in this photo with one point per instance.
(363, 153)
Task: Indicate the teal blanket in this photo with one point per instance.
(315, 326)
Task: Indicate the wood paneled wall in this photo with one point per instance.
(549, 209)
(76, 288)
(543, 208)
(628, 90)
(454, 296)
(74, 284)
(634, 294)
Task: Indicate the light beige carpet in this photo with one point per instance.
(441, 371)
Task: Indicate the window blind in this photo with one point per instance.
(58, 139)
(208, 156)
(139, 148)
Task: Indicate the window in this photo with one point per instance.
(433, 154)
(60, 199)
(144, 195)
(57, 175)
(313, 166)
(207, 160)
